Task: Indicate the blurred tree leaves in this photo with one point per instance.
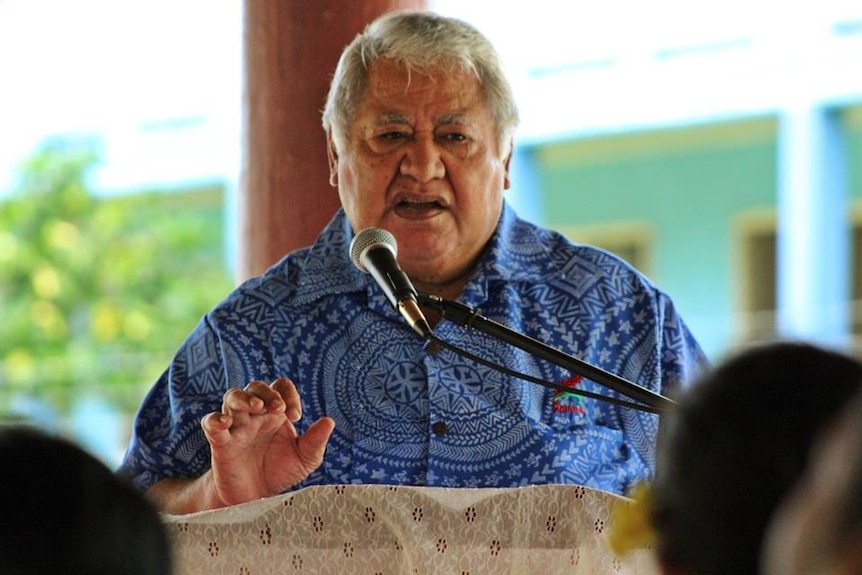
(96, 293)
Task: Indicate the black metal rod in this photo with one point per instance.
(468, 317)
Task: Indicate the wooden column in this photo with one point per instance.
(291, 50)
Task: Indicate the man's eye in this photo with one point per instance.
(453, 137)
(392, 136)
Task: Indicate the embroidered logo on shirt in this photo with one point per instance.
(566, 401)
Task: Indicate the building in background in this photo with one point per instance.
(716, 146)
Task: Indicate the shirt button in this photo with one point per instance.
(433, 347)
(440, 428)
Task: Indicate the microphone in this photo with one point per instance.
(373, 251)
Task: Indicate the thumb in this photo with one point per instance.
(311, 446)
(216, 427)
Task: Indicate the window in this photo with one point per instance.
(758, 281)
(633, 242)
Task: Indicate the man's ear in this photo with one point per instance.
(332, 155)
(507, 182)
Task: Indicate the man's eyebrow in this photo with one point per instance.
(445, 120)
(454, 118)
(392, 118)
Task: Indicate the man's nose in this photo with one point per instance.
(422, 159)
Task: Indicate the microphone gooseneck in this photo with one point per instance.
(461, 314)
(373, 250)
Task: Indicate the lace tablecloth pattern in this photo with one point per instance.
(399, 530)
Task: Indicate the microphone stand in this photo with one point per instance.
(470, 318)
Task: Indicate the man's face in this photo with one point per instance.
(421, 159)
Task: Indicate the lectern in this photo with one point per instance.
(399, 530)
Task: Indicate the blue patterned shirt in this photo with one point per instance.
(404, 415)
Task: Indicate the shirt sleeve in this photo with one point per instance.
(166, 438)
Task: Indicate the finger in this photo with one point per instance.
(242, 401)
(216, 428)
(287, 391)
(312, 445)
(272, 399)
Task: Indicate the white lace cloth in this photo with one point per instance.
(389, 530)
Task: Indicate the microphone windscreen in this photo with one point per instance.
(371, 238)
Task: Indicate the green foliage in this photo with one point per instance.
(97, 293)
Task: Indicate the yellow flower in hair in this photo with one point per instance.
(630, 526)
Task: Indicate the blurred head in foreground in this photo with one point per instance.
(64, 511)
(733, 448)
(818, 528)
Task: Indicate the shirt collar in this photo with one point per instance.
(517, 252)
(326, 267)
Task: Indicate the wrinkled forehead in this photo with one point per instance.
(395, 81)
(445, 93)
(443, 96)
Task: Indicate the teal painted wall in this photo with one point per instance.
(693, 189)
(687, 187)
(853, 125)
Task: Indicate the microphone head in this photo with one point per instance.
(368, 239)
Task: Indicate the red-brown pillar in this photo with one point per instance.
(291, 49)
